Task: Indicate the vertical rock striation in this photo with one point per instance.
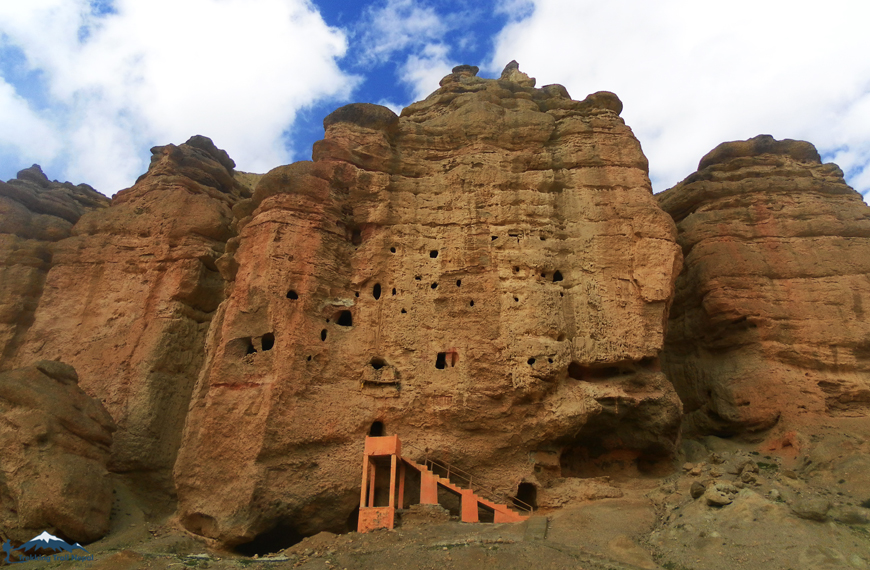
(34, 213)
(129, 297)
(487, 276)
(769, 316)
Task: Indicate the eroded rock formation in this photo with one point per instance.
(54, 448)
(34, 213)
(769, 316)
(487, 275)
(129, 295)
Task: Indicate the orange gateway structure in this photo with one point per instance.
(386, 451)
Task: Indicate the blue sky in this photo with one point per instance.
(88, 87)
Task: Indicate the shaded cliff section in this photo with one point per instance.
(121, 290)
(55, 444)
(769, 324)
(487, 275)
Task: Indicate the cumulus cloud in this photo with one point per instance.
(423, 70)
(23, 134)
(694, 74)
(415, 34)
(145, 73)
(398, 25)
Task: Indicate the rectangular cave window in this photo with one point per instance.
(345, 319)
(441, 361)
(268, 341)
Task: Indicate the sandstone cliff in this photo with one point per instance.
(768, 321)
(128, 298)
(34, 213)
(54, 448)
(487, 276)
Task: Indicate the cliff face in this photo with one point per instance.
(768, 321)
(34, 213)
(487, 276)
(128, 297)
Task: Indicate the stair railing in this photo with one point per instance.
(486, 492)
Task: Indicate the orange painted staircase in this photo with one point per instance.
(373, 517)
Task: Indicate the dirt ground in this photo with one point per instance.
(797, 499)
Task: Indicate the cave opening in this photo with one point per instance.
(394, 290)
(376, 291)
(353, 520)
(434, 285)
(292, 295)
(441, 361)
(527, 494)
(433, 254)
(268, 341)
(557, 276)
(392, 250)
(345, 319)
(459, 282)
(531, 361)
(356, 237)
(377, 362)
(377, 429)
(323, 334)
(273, 540)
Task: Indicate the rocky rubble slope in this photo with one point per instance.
(487, 275)
(769, 319)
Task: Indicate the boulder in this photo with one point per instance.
(769, 318)
(54, 449)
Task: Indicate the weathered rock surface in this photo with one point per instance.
(769, 316)
(34, 212)
(487, 276)
(54, 448)
(129, 297)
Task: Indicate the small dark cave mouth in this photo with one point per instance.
(345, 319)
(527, 494)
(274, 540)
(268, 341)
(377, 430)
(352, 521)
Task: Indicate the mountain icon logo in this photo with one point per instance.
(38, 546)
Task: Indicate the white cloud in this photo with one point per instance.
(398, 25)
(22, 132)
(160, 71)
(413, 32)
(423, 71)
(693, 74)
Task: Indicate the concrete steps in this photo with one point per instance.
(470, 500)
